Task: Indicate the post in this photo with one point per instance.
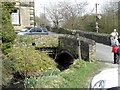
(96, 23)
(44, 17)
(79, 44)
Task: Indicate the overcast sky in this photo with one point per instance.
(39, 4)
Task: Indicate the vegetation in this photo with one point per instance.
(29, 61)
(73, 17)
(89, 23)
(109, 19)
(21, 57)
(25, 60)
(42, 21)
(6, 67)
(8, 34)
(76, 76)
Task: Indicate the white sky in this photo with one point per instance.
(39, 4)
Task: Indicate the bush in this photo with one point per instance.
(6, 67)
(6, 47)
(8, 34)
(29, 61)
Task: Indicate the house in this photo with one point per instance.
(23, 14)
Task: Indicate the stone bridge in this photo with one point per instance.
(71, 47)
(80, 45)
(74, 46)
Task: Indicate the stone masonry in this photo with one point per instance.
(26, 14)
(71, 44)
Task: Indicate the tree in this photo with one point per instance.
(54, 15)
(89, 23)
(8, 34)
(71, 13)
(66, 14)
(42, 20)
(109, 19)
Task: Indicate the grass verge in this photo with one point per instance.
(76, 76)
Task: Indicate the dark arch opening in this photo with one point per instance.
(64, 60)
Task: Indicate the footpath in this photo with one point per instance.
(104, 54)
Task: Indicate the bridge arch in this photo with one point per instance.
(64, 59)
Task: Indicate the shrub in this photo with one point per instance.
(8, 34)
(6, 47)
(29, 61)
(6, 67)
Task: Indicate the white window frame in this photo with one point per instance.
(15, 17)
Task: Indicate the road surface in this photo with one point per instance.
(103, 53)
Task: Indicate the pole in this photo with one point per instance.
(44, 17)
(79, 44)
(96, 23)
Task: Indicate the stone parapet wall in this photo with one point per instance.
(68, 43)
(97, 37)
(71, 44)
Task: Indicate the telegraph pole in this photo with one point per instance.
(96, 23)
(44, 16)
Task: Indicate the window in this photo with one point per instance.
(39, 30)
(15, 17)
(32, 30)
(44, 29)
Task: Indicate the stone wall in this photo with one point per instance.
(68, 43)
(71, 44)
(97, 37)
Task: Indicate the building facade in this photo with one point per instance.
(23, 14)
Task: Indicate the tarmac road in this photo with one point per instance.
(103, 53)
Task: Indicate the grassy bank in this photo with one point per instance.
(75, 77)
